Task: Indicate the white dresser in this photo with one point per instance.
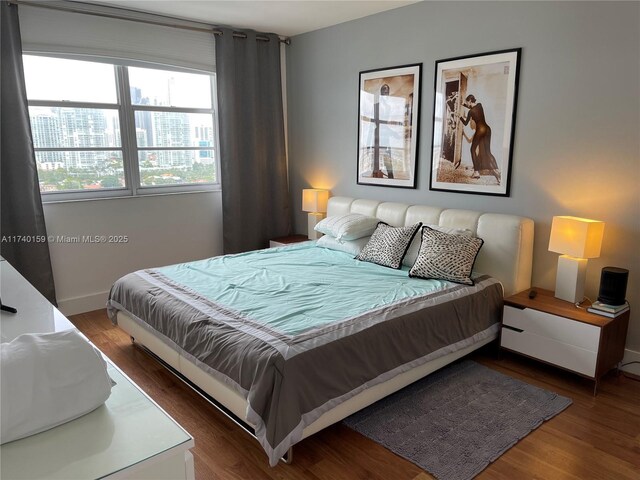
(129, 437)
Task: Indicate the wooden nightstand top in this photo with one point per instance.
(290, 239)
(546, 302)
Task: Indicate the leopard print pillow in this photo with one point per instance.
(388, 245)
(445, 256)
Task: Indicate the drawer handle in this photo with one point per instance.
(519, 330)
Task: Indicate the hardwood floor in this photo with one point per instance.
(595, 438)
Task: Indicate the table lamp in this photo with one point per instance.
(577, 239)
(314, 201)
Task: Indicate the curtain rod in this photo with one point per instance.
(212, 29)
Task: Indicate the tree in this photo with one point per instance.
(70, 184)
(110, 181)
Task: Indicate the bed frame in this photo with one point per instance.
(506, 255)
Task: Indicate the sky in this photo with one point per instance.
(79, 81)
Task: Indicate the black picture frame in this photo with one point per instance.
(388, 126)
(475, 100)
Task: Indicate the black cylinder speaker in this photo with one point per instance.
(613, 285)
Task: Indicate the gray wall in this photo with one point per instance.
(577, 148)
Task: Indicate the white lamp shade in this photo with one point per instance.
(576, 237)
(314, 200)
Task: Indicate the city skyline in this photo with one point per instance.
(78, 138)
(64, 127)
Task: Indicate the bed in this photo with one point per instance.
(293, 339)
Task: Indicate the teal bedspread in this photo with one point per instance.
(297, 288)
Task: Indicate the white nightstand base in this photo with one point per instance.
(570, 278)
(312, 221)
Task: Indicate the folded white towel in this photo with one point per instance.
(48, 379)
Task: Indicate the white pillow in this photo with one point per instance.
(414, 248)
(352, 247)
(48, 379)
(349, 226)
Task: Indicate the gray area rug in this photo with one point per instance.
(458, 420)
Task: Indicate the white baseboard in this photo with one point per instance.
(87, 303)
(631, 356)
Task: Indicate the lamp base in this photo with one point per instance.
(570, 278)
(312, 221)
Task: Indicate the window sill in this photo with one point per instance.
(127, 195)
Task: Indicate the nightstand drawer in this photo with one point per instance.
(283, 241)
(552, 351)
(553, 327)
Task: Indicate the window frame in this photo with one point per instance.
(128, 140)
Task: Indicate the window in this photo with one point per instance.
(91, 140)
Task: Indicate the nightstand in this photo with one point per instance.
(559, 333)
(282, 241)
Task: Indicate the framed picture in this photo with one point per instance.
(388, 114)
(474, 118)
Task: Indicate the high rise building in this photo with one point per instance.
(172, 129)
(136, 95)
(141, 137)
(83, 128)
(143, 118)
(203, 137)
(45, 128)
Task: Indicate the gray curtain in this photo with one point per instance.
(255, 198)
(22, 229)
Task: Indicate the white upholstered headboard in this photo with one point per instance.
(507, 252)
